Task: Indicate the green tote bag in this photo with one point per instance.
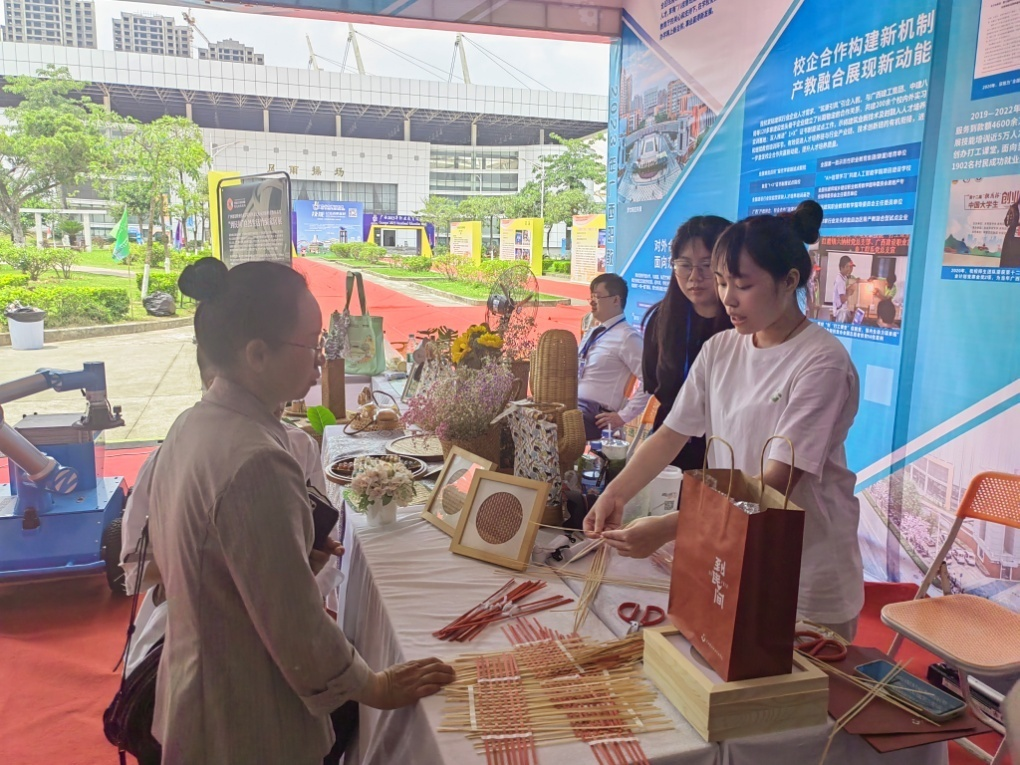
(367, 354)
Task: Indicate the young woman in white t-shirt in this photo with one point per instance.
(774, 373)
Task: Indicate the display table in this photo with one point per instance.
(402, 583)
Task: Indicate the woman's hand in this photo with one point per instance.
(643, 536)
(318, 559)
(606, 514)
(403, 684)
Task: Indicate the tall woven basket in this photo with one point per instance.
(554, 369)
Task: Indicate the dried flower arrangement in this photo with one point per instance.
(461, 403)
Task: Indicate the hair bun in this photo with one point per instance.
(204, 279)
(806, 220)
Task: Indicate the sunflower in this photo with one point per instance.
(490, 340)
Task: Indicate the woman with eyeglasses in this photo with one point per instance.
(252, 664)
(677, 326)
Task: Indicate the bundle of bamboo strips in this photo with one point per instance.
(592, 582)
(570, 688)
(503, 604)
(641, 584)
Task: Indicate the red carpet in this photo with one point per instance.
(59, 641)
(563, 288)
(404, 315)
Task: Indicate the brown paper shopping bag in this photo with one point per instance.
(736, 575)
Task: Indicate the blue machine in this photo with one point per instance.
(58, 516)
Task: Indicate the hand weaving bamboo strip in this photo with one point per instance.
(554, 688)
(592, 582)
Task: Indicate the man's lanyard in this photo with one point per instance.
(687, 348)
(594, 339)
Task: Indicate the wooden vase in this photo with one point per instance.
(334, 395)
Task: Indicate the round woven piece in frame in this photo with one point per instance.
(422, 447)
(499, 518)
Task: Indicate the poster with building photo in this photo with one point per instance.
(983, 230)
(323, 223)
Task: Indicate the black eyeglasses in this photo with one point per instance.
(320, 348)
(685, 269)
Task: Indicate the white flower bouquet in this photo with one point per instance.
(377, 483)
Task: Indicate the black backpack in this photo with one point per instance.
(127, 722)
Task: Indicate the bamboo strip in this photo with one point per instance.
(592, 583)
(644, 584)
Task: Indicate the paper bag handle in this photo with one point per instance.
(793, 461)
(733, 460)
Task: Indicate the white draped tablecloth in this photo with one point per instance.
(402, 584)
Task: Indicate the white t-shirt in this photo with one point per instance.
(807, 390)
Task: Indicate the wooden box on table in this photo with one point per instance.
(334, 391)
(718, 710)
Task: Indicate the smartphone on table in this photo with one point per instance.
(936, 704)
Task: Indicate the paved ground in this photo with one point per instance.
(153, 376)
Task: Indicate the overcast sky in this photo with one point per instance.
(565, 66)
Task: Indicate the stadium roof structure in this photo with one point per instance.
(247, 96)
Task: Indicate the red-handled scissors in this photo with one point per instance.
(819, 646)
(638, 616)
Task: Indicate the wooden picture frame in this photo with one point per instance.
(455, 477)
(500, 519)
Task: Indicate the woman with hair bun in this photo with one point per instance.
(252, 665)
(774, 373)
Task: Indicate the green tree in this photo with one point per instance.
(438, 211)
(486, 209)
(71, 227)
(562, 206)
(190, 200)
(526, 203)
(153, 158)
(52, 138)
(569, 169)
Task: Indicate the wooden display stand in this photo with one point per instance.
(334, 394)
(718, 710)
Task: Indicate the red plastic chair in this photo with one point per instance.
(974, 635)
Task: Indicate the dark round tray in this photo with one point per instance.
(340, 471)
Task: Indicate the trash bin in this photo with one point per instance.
(26, 326)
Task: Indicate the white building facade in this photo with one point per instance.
(231, 50)
(151, 33)
(50, 22)
(388, 143)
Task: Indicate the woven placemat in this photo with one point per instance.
(422, 447)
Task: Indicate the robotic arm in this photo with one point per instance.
(44, 471)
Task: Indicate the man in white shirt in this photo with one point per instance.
(842, 289)
(608, 358)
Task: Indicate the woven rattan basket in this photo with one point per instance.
(486, 445)
(571, 439)
(554, 368)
